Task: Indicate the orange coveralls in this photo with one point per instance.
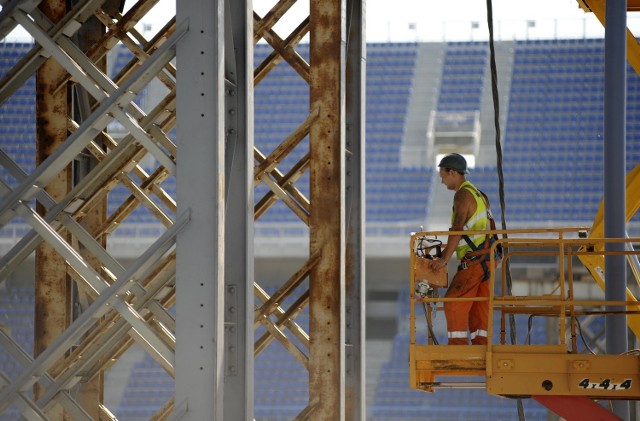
(467, 316)
(470, 316)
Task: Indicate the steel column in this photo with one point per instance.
(214, 273)
(355, 314)
(239, 274)
(91, 392)
(200, 188)
(615, 77)
(52, 285)
(327, 224)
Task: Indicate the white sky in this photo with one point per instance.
(437, 20)
(431, 20)
(451, 20)
(431, 12)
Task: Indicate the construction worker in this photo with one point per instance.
(465, 319)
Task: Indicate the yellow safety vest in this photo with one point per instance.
(478, 221)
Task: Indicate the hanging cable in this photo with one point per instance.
(496, 120)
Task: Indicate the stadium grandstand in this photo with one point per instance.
(419, 96)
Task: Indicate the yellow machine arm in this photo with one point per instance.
(587, 5)
(598, 9)
(595, 262)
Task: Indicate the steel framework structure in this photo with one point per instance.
(90, 306)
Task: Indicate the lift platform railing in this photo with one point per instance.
(554, 364)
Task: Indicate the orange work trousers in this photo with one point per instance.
(466, 317)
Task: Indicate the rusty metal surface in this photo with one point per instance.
(322, 212)
(285, 318)
(283, 50)
(270, 18)
(327, 280)
(286, 183)
(117, 163)
(272, 305)
(52, 286)
(161, 119)
(90, 394)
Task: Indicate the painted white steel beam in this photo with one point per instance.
(97, 309)
(355, 287)
(201, 184)
(89, 129)
(238, 259)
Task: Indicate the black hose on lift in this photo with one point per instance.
(496, 120)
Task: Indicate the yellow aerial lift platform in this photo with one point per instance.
(555, 373)
(553, 369)
(544, 371)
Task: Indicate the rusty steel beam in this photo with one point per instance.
(161, 118)
(286, 51)
(284, 319)
(140, 48)
(284, 291)
(91, 391)
(324, 213)
(285, 148)
(111, 336)
(286, 183)
(270, 19)
(327, 224)
(52, 285)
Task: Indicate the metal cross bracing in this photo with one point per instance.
(122, 305)
(299, 158)
(279, 323)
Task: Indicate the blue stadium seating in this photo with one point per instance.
(16, 311)
(553, 141)
(17, 115)
(390, 69)
(465, 65)
(555, 111)
(148, 388)
(552, 146)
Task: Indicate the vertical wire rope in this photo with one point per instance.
(496, 119)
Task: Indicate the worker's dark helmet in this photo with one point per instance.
(454, 161)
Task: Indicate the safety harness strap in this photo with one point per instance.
(474, 256)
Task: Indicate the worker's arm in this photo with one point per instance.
(464, 206)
